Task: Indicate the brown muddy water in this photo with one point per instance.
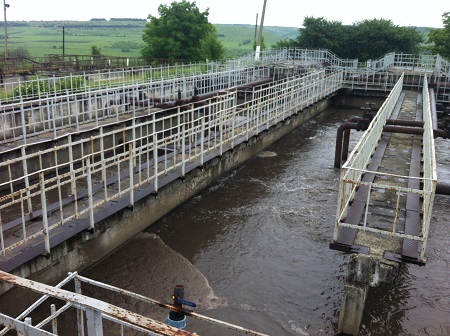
(253, 250)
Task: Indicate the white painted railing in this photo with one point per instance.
(56, 111)
(76, 179)
(353, 170)
(356, 167)
(44, 87)
(429, 166)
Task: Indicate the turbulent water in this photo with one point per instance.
(253, 249)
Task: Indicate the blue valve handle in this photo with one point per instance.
(187, 303)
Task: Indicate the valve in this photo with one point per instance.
(177, 319)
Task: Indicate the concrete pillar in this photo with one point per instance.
(363, 272)
(352, 308)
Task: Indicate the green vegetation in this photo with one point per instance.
(179, 33)
(368, 39)
(238, 39)
(123, 37)
(113, 38)
(439, 39)
(38, 85)
(118, 37)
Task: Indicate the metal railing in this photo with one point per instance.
(429, 166)
(92, 313)
(70, 110)
(53, 86)
(356, 167)
(44, 87)
(75, 179)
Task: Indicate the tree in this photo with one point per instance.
(372, 39)
(19, 52)
(285, 43)
(212, 48)
(319, 33)
(95, 51)
(178, 33)
(369, 39)
(440, 38)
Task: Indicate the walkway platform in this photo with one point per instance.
(398, 155)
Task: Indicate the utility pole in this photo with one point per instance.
(5, 5)
(256, 28)
(258, 44)
(64, 41)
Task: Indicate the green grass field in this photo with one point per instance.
(118, 37)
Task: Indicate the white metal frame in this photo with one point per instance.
(73, 180)
(356, 166)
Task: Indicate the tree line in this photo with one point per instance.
(182, 31)
(370, 39)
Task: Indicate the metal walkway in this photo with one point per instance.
(387, 185)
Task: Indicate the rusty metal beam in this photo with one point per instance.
(171, 307)
(94, 304)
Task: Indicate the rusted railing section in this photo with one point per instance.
(91, 312)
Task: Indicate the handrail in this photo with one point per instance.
(138, 155)
(356, 167)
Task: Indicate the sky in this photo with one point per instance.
(288, 13)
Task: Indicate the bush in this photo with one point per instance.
(37, 85)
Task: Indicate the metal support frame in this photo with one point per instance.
(356, 167)
(186, 136)
(97, 310)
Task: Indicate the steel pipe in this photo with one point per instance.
(443, 189)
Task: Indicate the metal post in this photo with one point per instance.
(131, 159)
(54, 320)
(94, 322)
(27, 178)
(155, 152)
(183, 150)
(44, 214)
(202, 142)
(5, 5)
(90, 197)
(258, 44)
(64, 41)
(80, 316)
(23, 120)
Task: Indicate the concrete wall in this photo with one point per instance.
(83, 250)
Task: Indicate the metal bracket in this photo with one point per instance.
(402, 258)
(349, 248)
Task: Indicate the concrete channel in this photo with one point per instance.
(83, 240)
(94, 232)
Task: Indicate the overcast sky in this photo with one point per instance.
(289, 13)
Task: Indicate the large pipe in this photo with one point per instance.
(444, 133)
(403, 129)
(343, 135)
(433, 108)
(253, 84)
(442, 189)
(208, 95)
(339, 145)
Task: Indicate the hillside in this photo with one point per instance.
(119, 37)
